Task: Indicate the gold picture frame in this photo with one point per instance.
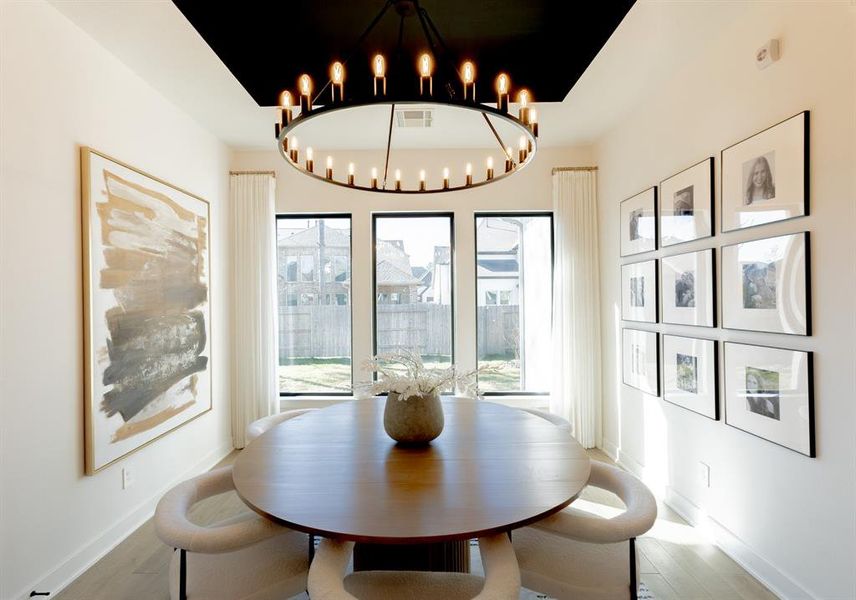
(146, 308)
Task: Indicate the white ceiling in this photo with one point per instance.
(153, 38)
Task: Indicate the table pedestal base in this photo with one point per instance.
(443, 556)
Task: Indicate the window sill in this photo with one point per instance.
(295, 402)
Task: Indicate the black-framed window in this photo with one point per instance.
(514, 301)
(413, 275)
(314, 297)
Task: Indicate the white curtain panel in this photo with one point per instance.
(576, 390)
(255, 392)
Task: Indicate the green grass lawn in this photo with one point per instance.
(333, 375)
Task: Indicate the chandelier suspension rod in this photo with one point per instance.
(392, 106)
(356, 45)
(498, 139)
(424, 18)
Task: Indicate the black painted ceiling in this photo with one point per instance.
(544, 45)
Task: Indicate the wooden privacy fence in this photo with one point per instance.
(322, 331)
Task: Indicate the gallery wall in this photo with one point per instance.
(787, 518)
(60, 90)
(529, 190)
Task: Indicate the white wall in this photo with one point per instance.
(529, 190)
(61, 90)
(790, 518)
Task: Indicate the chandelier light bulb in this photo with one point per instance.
(426, 65)
(374, 178)
(304, 84)
(310, 164)
(329, 172)
(445, 178)
(469, 170)
(398, 180)
(294, 152)
(524, 98)
(422, 180)
(509, 160)
(468, 76)
(503, 88)
(533, 121)
(284, 110)
(489, 167)
(285, 99)
(379, 69)
(503, 83)
(468, 72)
(350, 173)
(309, 153)
(337, 79)
(379, 64)
(426, 68)
(522, 146)
(337, 72)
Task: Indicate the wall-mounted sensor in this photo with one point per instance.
(767, 54)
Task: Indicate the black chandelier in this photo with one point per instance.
(455, 88)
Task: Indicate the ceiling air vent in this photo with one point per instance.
(414, 117)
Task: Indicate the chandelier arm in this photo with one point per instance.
(498, 139)
(357, 45)
(388, 144)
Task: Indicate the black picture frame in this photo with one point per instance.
(716, 387)
(621, 223)
(713, 289)
(656, 298)
(806, 183)
(658, 361)
(711, 199)
(812, 441)
(807, 278)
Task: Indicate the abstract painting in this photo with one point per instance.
(147, 310)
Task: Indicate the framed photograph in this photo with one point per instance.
(641, 360)
(686, 205)
(769, 393)
(639, 291)
(147, 320)
(765, 177)
(765, 285)
(687, 289)
(639, 223)
(690, 374)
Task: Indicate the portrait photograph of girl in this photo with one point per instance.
(759, 180)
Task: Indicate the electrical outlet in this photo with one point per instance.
(704, 474)
(127, 478)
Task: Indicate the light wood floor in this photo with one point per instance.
(676, 562)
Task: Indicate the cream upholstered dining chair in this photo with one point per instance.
(258, 427)
(327, 580)
(575, 554)
(243, 557)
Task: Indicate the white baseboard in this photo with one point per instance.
(623, 460)
(76, 564)
(779, 583)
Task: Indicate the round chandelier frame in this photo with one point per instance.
(525, 124)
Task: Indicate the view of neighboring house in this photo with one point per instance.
(313, 265)
(497, 263)
(399, 282)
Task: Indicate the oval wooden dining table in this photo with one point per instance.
(334, 472)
